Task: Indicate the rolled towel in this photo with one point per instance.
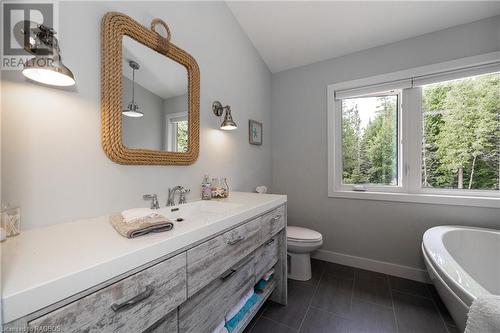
(484, 315)
(233, 323)
(141, 226)
(135, 214)
(268, 275)
(235, 309)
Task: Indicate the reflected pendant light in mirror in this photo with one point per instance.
(132, 109)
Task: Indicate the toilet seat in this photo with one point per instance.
(302, 235)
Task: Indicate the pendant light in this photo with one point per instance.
(132, 109)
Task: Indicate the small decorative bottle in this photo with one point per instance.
(206, 189)
(225, 187)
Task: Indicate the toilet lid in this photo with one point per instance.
(302, 234)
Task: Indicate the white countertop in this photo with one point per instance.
(45, 265)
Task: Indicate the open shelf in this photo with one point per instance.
(255, 308)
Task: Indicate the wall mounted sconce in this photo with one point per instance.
(46, 67)
(228, 124)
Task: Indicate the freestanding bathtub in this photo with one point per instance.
(463, 263)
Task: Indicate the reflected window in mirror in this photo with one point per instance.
(157, 88)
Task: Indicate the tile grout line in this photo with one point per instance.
(277, 322)
(393, 306)
(439, 312)
(310, 301)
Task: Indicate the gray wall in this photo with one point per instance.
(53, 165)
(385, 231)
(145, 132)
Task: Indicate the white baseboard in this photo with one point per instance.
(406, 272)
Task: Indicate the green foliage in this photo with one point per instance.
(370, 156)
(461, 141)
(182, 136)
(461, 147)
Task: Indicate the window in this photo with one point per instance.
(461, 136)
(429, 138)
(177, 132)
(370, 140)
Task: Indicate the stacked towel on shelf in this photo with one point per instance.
(221, 328)
(233, 323)
(262, 284)
(234, 311)
(484, 315)
(140, 226)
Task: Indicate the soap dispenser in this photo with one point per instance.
(206, 188)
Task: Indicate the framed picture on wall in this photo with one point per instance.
(254, 132)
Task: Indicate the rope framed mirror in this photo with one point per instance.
(150, 95)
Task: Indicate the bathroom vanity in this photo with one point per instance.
(83, 276)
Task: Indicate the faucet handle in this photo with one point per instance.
(154, 200)
(182, 198)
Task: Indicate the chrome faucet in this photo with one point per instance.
(182, 195)
(154, 200)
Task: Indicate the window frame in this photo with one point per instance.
(410, 157)
(171, 120)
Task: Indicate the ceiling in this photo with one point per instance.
(289, 34)
(157, 73)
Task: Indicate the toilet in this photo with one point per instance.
(301, 242)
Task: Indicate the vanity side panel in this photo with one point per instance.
(94, 313)
(280, 294)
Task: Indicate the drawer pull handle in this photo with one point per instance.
(134, 300)
(228, 274)
(231, 271)
(276, 218)
(269, 242)
(237, 240)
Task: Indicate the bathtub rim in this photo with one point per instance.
(447, 268)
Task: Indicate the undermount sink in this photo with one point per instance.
(199, 210)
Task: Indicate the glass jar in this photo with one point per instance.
(225, 188)
(10, 222)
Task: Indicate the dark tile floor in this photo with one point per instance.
(345, 299)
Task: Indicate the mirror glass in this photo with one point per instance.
(155, 100)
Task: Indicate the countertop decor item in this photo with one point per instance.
(228, 124)
(10, 222)
(220, 188)
(118, 30)
(46, 67)
(254, 132)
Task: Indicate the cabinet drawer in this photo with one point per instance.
(204, 311)
(266, 257)
(273, 222)
(212, 258)
(130, 305)
(167, 324)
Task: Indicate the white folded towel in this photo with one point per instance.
(235, 309)
(220, 328)
(135, 214)
(261, 189)
(484, 315)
